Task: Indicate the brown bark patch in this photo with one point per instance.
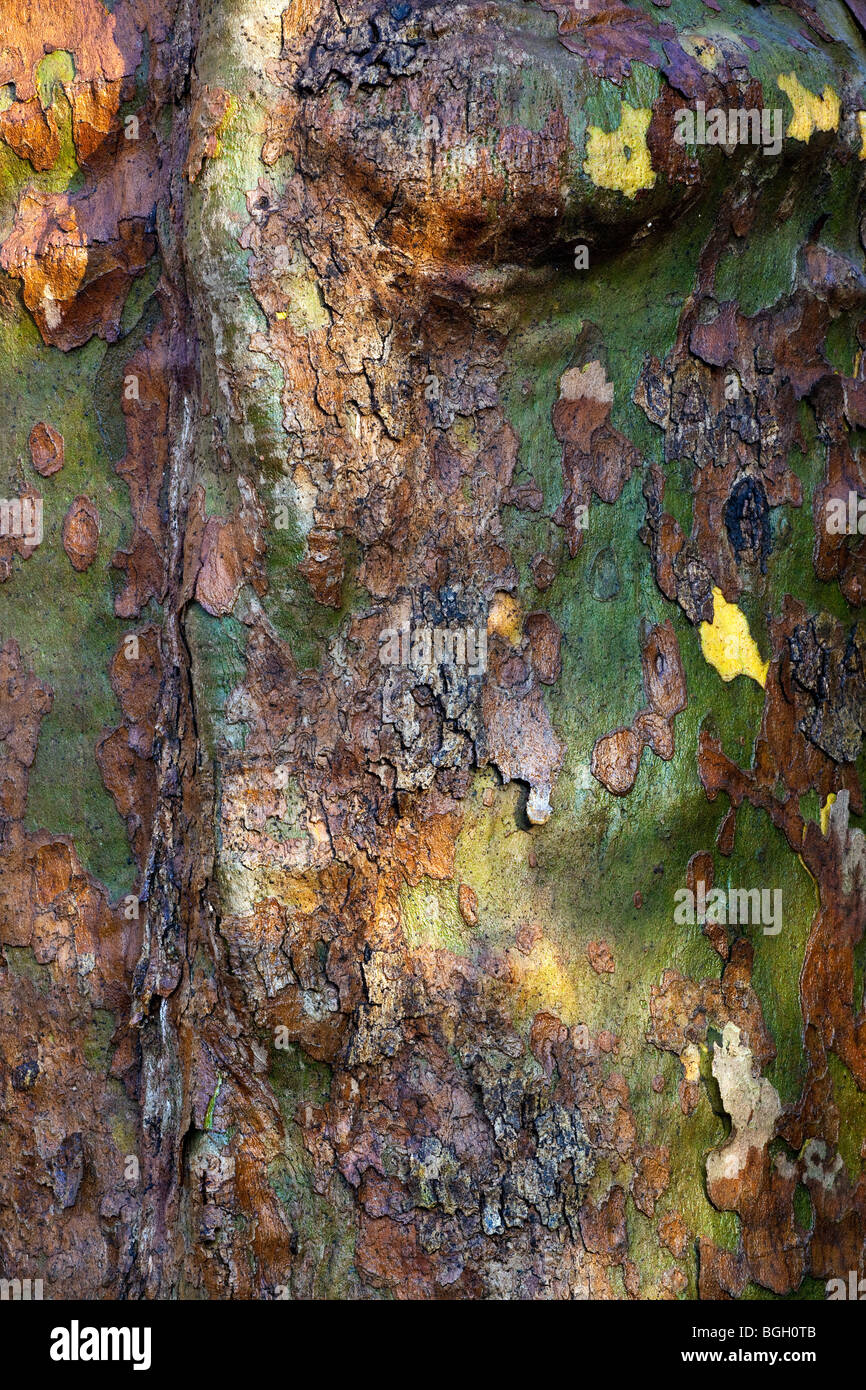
(46, 449)
(81, 527)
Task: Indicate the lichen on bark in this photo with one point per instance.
(420, 609)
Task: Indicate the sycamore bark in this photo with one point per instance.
(432, 701)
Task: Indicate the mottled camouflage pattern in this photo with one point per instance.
(335, 970)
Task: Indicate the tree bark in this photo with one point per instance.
(432, 670)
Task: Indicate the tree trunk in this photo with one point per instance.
(432, 679)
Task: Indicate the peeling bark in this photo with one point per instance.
(381, 535)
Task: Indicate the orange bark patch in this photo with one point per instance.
(46, 449)
(81, 527)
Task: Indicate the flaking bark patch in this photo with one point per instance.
(81, 527)
(373, 1021)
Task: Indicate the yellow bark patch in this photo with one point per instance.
(728, 645)
(542, 981)
(505, 619)
(703, 49)
(825, 814)
(691, 1061)
(861, 126)
(621, 160)
(810, 112)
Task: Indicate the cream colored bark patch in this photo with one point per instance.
(811, 112)
(621, 159)
(728, 645)
(752, 1103)
(586, 383)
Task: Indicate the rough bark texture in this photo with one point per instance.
(339, 960)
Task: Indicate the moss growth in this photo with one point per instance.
(23, 964)
(97, 1043)
(324, 1224)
